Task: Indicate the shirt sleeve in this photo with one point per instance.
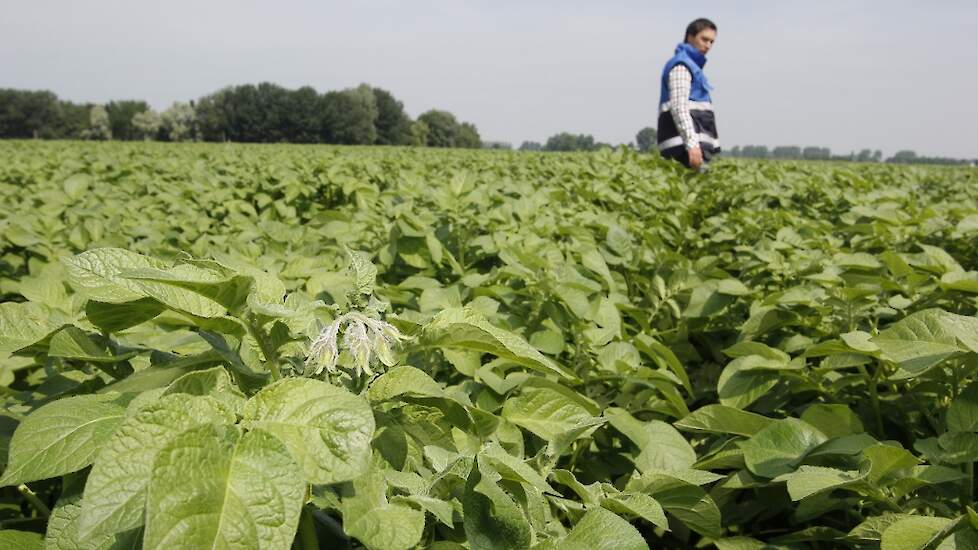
(680, 82)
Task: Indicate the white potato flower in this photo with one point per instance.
(364, 337)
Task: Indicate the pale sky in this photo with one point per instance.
(841, 74)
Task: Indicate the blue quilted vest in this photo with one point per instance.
(689, 56)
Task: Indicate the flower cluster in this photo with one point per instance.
(364, 338)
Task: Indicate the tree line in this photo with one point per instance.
(265, 112)
(794, 152)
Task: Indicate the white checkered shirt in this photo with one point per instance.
(680, 83)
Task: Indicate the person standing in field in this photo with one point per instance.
(687, 129)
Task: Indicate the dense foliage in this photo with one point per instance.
(263, 113)
(245, 346)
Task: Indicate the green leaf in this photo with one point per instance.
(886, 459)
(465, 329)
(402, 380)
(492, 519)
(364, 272)
(738, 386)
(912, 533)
(962, 414)
(115, 317)
(73, 343)
(871, 529)
(214, 382)
(23, 324)
(686, 501)
(600, 529)
(639, 505)
(924, 339)
(213, 487)
(378, 524)
(809, 480)
(779, 447)
(327, 429)
(545, 412)
(513, 468)
(61, 437)
(116, 276)
(833, 420)
(661, 446)
(115, 493)
(62, 531)
(723, 420)
(21, 540)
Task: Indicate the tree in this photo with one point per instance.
(645, 139)
(303, 119)
(419, 133)
(500, 145)
(755, 151)
(786, 152)
(74, 120)
(28, 114)
(531, 146)
(99, 127)
(565, 141)
(393, 124)
(212, 115)
(442, 128)
(349, 116)
(147, 124)
(120, 118)
(178, 122)
(467, 136)
(905, 155)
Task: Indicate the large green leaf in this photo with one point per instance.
(924, 339)
(661, 447)
(103, 275)
(809, 480)
(115, 493)
(962, 414)
(493, 520)
(779, 447)
(115, 317)
(739, 386)
(600, 529)
(73, 343)
(463, 328)
(375, 522)
(545, 412)
(724, 420)
(21, 540)
(402, 380)
(327, 429)
(912, 533)
(214, 487)
(62, 437)
(24, 324)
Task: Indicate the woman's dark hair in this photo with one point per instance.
(697, 26)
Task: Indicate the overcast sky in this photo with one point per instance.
(839, 73)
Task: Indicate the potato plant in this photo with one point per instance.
(324, 347)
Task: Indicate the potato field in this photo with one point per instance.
(284, 346)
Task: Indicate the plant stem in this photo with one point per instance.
(874, 397)
(35, 502)
(968, 494)
(308, 540)
(271, 354)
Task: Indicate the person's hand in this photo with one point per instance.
(695, 158)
